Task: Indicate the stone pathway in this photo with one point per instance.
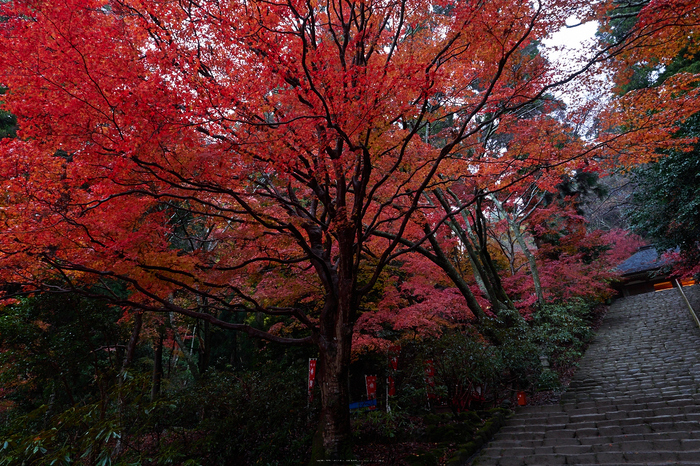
(635, 398)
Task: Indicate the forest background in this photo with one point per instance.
(198, 197)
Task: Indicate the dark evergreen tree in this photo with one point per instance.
(666, 203)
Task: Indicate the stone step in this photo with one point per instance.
(565, 431)
(570, 450)
(574, 395)
(565, 456)
(618, 409)
(628, 401)
(659, 441)
(600, 459)
(635, 398)
(606, 419)
(636, 391)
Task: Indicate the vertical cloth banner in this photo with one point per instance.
(394, 357)
(393, 367)
(371, 383)
(312, 377)
(392, 386)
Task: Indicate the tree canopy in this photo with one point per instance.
(275, 158)
(664, 204)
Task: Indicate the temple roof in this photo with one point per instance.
(646, 259)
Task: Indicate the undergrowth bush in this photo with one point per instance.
(258, 417)
(384, 427)
(562, 331)
(261, 416)
(463, 361)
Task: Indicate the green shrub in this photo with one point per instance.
(382, 427)
(518, 350)
(463, 361)
(256, 417)
(548, 380)
(562, 332)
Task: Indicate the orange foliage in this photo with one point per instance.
(248, 152)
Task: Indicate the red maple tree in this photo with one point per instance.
(243, 154)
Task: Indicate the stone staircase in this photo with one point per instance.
(635, 398)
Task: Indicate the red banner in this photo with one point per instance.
(394, 351)
(392, 386)
(371, 383)
(312, 377)
(394, 357)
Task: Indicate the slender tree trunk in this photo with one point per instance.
(205, 348)
(189, 359)
(480, 273)
(439, 258)
(532, 263)
(444, 263)
(500, 300)
(478, 255)
(126, 363)
(534, 272)
(475, 242)
(465, 233)
(157, 367)
(133, 341)
(477, 252)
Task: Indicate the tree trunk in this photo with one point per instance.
(205, 348)
(333, 437)
(533, 267)
(126, 363)
(465, 233)
(187, 356)
(133, 341)
(443, 262)
(157, 367)
(532, 263)
(333, 440)
(476, 243)
(500, 298)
